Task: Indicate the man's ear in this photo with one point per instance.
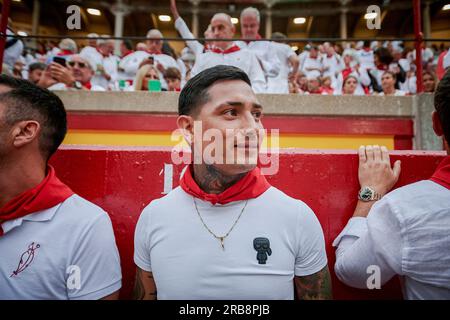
(186, 125)
(437, 126)
(25, 132)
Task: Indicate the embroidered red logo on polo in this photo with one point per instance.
(26, 259)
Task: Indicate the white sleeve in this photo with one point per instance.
(185, 33)
(142, 242)
(97, 261)
(374, 242)
(311, 255)
(256, 75)
(364, 77)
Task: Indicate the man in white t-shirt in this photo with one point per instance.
(225, 233)
(264, 50)
(313, 62)
(105, 64)
(404, 232)
(154, 50)
(228, 53)
(288, 66)
(54, 245)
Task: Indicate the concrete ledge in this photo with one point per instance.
(167, 102)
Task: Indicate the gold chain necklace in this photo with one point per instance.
(221, 239)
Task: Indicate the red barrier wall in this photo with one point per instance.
(123, 181)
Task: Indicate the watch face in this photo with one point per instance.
(365, 194)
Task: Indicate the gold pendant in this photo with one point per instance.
(221, 242)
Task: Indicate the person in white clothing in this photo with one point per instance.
(105, 62)
(76, 75)
(91, 48)
(313, 62)
(288, 67)
(228, 53)
(235, 236)
(182, 28)
(54, 244)
(404, 232)
(250, 22)
(160, 60)
(388, 80)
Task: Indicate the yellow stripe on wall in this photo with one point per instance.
(136, 138)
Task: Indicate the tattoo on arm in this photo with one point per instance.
(316, 286)
(144, 286)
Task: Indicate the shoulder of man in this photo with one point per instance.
(81, 210)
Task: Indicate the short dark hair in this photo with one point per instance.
(26, 101)
(384, 56)
(195, 92)
(37, 66)
(128, 44)
(442, 104)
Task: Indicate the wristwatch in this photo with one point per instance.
(77, 85)
(367, 194)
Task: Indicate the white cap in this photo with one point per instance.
(359, 44)
(313, 75)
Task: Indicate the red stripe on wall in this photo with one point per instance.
(286, 124)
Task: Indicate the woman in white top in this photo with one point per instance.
(388, 80)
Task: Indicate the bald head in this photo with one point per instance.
(154, 42)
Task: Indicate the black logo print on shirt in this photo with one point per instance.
(262, 246)
(26, 259)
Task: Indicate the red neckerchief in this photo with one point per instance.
(207, 47)
(88, 85)
(64, 53)
(251, 186)
(442, 174)
(154, 52)
(127, 54)
(382, 67)
(367, 49)
(45, 195)
(346, 72)
(231, 49)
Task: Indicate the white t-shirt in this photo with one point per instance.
(244, 59)
(406, 233)
(264, 51)
(63, 87)
(109, 64)
(71, 241)
(366, 58)
(311, 63)
(187, 262)
(279, 84)
(131, 64)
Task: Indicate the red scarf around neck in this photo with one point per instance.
(442, 174)
(251, 186)
(45, 195)
(231, 49)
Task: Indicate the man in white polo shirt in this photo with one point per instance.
(228, 53)
(53, 244)
(265, 51)
(225, 233)
(404, 232)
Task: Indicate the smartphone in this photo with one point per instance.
(151, 59)
(60, 60)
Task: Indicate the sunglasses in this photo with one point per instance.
(80, 64)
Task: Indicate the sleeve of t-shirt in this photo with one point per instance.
(311, 254)
(141, 242)
(95, 269)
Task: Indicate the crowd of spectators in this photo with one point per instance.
(352, 68)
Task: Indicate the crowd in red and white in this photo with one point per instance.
(362, 68)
